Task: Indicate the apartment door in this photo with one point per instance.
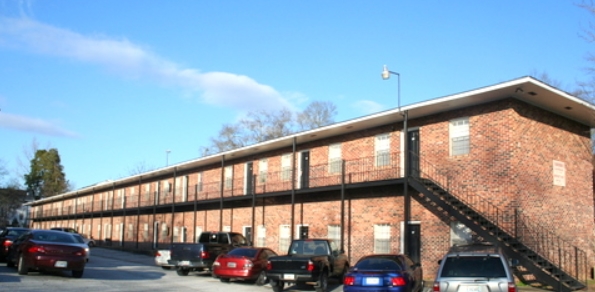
(413, 147)
(249, 183)
(415, 242)
(305, 170)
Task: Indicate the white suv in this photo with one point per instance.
(476, 267)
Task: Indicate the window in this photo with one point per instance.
(146, 232)
(199, 182)
(459, 136)
(262, 170)
(334, 232)
(382, 149)
(261, 236)
(228, 173)
(284, 237)
(286, 166)
(334, 158)
(381, 238)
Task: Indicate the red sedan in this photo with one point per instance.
(49, 250)
(243, 263)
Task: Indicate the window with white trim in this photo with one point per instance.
(284, 237)
(459, 136)
(334, 158)
(263, 166)
(286, 166)
(261, 236)
(382, 149)
(228, 174)
(382, 238)
(334, 232)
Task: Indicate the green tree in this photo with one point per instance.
(46, 178)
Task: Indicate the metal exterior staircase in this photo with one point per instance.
(548, 265)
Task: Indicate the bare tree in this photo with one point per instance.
(139, 168)
(260, 125)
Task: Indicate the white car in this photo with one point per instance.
(162, 258)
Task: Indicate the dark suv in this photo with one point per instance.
(479, 267)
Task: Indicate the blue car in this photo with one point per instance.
(384, 273)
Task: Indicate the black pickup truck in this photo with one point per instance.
(308, 261)
(187, 257)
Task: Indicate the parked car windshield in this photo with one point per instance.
(245, 252)
(473, 266)
(378, 264)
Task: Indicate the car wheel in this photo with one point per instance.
(182, 272)
(277, 286)
(262, 279)
(224, 280)
(77, 273)
(9, 262)
(322, 283)
(22, 268)
(166, 267)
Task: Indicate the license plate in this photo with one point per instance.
(288, 276)
(61, 264)
(231, 265)
(373, 281)
(472, 289)
(184, 263)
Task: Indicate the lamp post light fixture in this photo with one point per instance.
(406, 161)
(386, 75)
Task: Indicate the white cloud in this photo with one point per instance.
(367, 107)
(122, 56)
(26, 124)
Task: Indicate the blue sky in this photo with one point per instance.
(115, 84)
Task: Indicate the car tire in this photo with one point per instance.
(22, 268)
(277, 286)
(262, 279)
(9, 262)
(224, 280)
(166, 267)
(182, 272)
(77, 273)
(322, 282)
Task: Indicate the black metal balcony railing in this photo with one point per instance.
(365, 169)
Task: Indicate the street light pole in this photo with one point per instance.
(406, 199)
(167, 157)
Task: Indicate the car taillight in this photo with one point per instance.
(7, 243)
(436, 287)
(511, 287)
(269, 266)
(397, 281)
(349, 281)
(216, 264)
(310, 266)
(80, 253)
(157, 254)
(248, 265)
(36, 249)
(204, 255)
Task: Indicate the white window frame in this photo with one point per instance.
(228, 177)
(334, 232)
(263, 168)
(459, 140)
(284, 237)
(286, 166)
(382, 150)
(334, 158)
(261, 236)
(382, 237)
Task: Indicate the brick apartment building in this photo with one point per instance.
(508, 163)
